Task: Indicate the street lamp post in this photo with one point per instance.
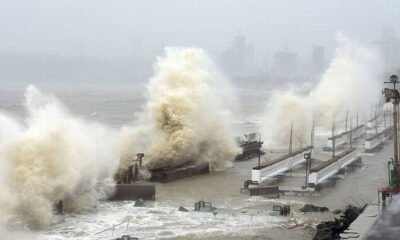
(392, 95)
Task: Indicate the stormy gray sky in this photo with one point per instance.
(124, 27)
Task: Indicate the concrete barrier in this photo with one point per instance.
(329, 168)
(278, 166)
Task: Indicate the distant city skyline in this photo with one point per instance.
(122, 28)
(99, 41)
(239, 61)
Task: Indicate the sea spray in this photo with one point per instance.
(53, 156)
(351, 83)
(186, 118)
(288, 109)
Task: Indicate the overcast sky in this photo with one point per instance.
(124, 27)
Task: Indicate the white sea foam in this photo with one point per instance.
(351, 83)
(52, 156)
(187, 116)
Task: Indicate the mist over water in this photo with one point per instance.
(185, 118)
(52, 156)
(350, 83)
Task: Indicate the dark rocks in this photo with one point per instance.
(139, 203)
(127, 237)
(313, 208)
(182, 209)
(332, 229)
(337, 211)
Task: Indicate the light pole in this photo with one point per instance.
(307, 157)
(392, 95)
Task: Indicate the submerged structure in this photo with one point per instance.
(344, 137)
(270, 169)
(251, 146)
(165, 175)
(129, 185)
(277, 214)
(329, 168)
(376, 140)
(127, 237)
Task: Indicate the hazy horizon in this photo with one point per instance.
(103, 42)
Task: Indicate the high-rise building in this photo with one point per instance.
(284, 63)
(239, 58)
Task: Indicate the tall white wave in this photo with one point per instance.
(187, 115)
(352, 82)
(52, 156)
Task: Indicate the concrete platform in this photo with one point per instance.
(360, 226)
(387, 225)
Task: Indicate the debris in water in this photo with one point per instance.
(313, 208)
